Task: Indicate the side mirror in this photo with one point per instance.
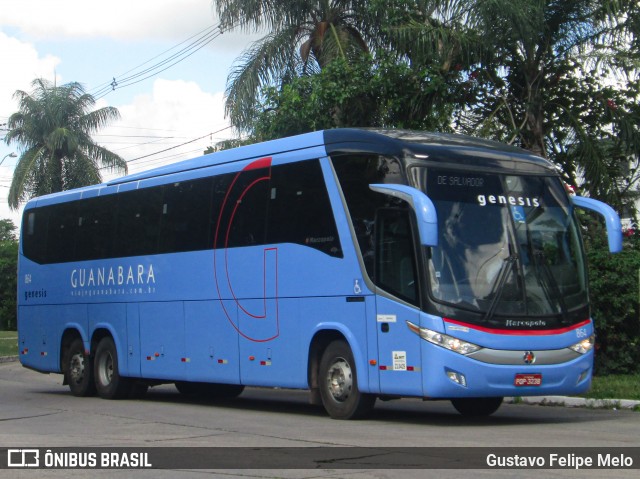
(611, 218)
(422, 205)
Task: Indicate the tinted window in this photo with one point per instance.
(34, 234)
(138, 225)
(96, 220)
(299, 208)
(395, 256)
(61, 232)
(356, 173)
(286, 203)
(244, 212)
(185, 224)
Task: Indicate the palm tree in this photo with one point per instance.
(524, 64)
(304, 36)
(54, 126)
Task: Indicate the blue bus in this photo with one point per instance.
(357, 264)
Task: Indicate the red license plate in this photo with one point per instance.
(528, 380)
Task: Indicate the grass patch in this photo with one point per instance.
(615, 386)
(8, 343)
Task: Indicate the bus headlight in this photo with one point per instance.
(585, 345)
(444, 340)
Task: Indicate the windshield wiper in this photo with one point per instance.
(498, 286)
(548, 281)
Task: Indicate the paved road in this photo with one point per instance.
(36, 411)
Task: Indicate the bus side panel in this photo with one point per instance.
(30, 336)
(133, 342)
(346, 316)
(40, 333)
(211, 341)
(372, 343)
(271, 353)
(113, 318)
(162, 340)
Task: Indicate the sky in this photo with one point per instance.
(94, 42)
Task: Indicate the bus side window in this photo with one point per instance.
(61, 233)
(245, 211)
(139, 213)
(96, 221)
(355, 173)
(185, 221)
(34, 235)
(395, 269)
(299, 208)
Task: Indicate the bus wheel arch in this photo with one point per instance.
(333, 377)
(318, 344)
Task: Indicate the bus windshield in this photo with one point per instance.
(508, 245)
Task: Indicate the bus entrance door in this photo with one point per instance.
(396, 275)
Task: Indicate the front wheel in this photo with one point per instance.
(476, 407)
(339, 384)
(109, 383)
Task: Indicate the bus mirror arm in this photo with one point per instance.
(611, 218)
(421, 204)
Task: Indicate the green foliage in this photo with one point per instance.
(366, 92)
(7, 231)
(303, 37)
(615, 386)
(537, 74)
(8, 275)
(615, 291)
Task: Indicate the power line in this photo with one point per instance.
(181, 144)
(107, 84)
(204, 37)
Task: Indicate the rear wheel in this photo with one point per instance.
(339, 384)
(78, 370)
(476, 407)
(109, 383)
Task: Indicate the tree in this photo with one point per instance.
(372, 92)
(54, 126)
(615, 310)
(305, 36)
(7, 231)
(538, 73)
(8, 275)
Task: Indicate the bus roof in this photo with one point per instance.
(470, 151)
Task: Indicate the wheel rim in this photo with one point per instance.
(76, 368)
(340, 380)
(105, 368)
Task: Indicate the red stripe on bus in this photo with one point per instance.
(519, 332)
(261, 163)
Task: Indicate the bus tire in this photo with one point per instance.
(476, 407)
(78, 370)
(109, 383)
(338, 381)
